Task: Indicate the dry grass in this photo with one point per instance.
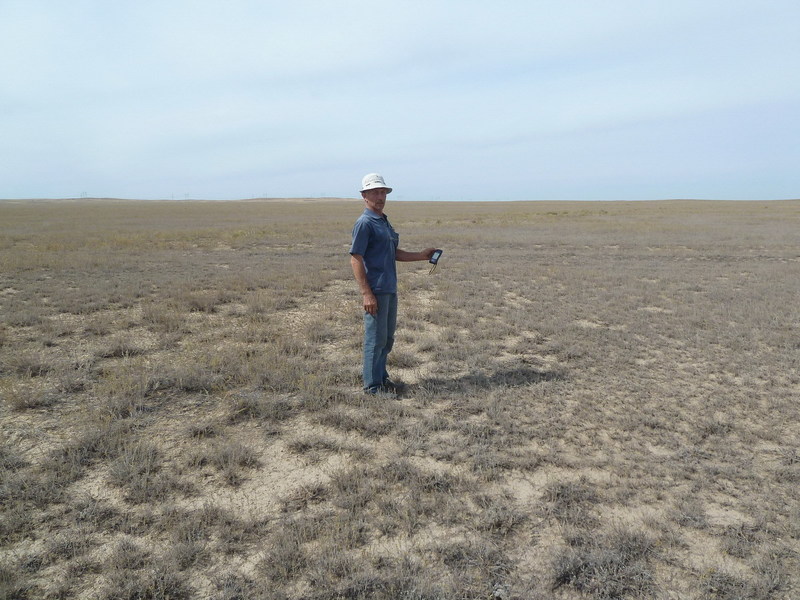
(602, 402)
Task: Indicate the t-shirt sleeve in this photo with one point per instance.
(360, 238)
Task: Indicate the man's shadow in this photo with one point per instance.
(516, 376)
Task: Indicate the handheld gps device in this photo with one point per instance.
(434, 259)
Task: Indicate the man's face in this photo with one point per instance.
(375, 199)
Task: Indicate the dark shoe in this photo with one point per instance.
(381, 392)
(396, 386)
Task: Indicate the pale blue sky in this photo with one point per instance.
(449, 100)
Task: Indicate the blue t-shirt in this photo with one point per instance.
(376, 241)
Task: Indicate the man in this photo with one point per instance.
(372, 255)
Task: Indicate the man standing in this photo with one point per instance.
(372, 255)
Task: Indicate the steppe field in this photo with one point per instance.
(603, 401)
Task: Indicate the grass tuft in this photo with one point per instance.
(615, 565)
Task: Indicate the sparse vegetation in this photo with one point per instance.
(601, 402)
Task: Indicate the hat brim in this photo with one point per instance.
(378, 187)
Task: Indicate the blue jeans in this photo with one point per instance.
(378, 340)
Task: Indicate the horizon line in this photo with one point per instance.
(356, 199)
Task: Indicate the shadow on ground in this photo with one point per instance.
(516, 377)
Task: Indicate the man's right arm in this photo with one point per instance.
(360, 272)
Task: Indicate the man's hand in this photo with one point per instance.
(371, 304)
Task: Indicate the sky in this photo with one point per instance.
(448, 99)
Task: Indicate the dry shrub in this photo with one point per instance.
(130, 388)
(155, 580)
(571, 502)
(257, 406)
(286, 557)
(266, 302)
(207, 301)
(14, 582)
(615, 565)
(26, 364)
(24, 318)
(25, 395)
(137, 469)
(766, 583)
(499, 515)
(128, 555)
(229, 457)
(67, 545)
(235, 586)
(99, 441)
(122, 346)
(476, 563)
(164, 317)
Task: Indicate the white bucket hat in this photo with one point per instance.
(374, 181)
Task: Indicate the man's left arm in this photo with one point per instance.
(405, 256)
